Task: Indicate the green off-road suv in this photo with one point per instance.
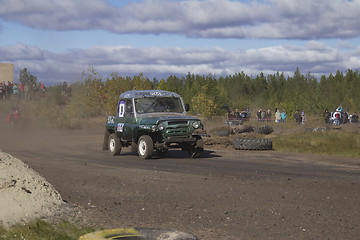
(151, 120)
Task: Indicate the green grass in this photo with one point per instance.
(332, 143)
(41, 230)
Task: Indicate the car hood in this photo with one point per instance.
(155, 120)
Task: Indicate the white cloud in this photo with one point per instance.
(51, 67)
(283, 19)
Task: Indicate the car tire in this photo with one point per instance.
(264, 130)
(114, 144)
(252, 144)
(197, 149)
(145, 147)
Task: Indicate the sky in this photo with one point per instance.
(59, 40)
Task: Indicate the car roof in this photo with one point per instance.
(148, 93)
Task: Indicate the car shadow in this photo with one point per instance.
(174, 153)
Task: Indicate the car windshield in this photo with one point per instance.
(158, 105)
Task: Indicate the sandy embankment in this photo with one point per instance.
(24, 194)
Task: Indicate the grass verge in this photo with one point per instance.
(41, 230)
(331, 143)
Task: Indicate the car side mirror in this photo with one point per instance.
(187, 107)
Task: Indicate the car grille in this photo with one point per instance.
(177, 128)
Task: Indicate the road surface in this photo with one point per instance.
(223, 195)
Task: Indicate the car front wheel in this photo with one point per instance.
(145, 147)
(114, 144)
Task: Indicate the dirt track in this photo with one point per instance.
(225, 195)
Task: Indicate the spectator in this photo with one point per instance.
(243, 114)
(237, 114)
(258, 114)
(21, 90)
(354, 118)
(248, 113)
(42, 89)
(15, 90)
(337, 117)
(277, 116)
(268, 115)
(231, 115)
(263, 113)
(327, 116)
(298, 117)
(283, 116)
(303, 118)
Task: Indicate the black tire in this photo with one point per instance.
(145, 146)
(264, 130)
(197, 149)
(114, 144)
(252, 144)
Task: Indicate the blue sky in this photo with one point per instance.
(58, 40)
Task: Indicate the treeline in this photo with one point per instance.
(206, 94)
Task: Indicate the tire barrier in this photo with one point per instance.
(264, 130)
(138, 234)
(252, 144)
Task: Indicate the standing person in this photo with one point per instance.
(42, 88)
(268, 115)
(283, 116)
(354, 118)
(231, 115)
(9, 89)
(248, 113)
(298, 117)
(237, 114)
(15, 90)
(337, 117)
(258, 114)
(303, 118)
(263, 115)
(21, 90)
(327, 116)
(277, 116)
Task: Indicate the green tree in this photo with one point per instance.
(95, 92)
(26, 78)
(114, 86)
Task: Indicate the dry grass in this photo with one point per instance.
(341, 140)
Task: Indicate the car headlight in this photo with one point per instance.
(161, 127)
(196, 125)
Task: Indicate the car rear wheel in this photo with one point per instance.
(145, 147)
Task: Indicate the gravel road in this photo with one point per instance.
(224, 195)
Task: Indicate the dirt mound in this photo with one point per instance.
(24, 194)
